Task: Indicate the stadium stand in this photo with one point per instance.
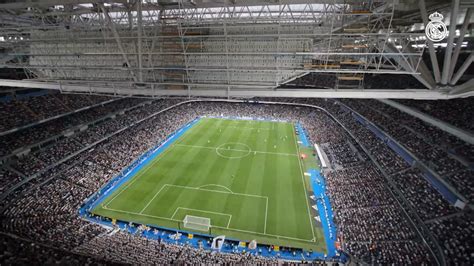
(16, 251)
(454, 233)
(126, 248)
(42, 133)
(457, 112)
(8, 178)
(434, 147)
(19, 113)
(42, 190)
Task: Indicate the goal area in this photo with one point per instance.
(197, 223)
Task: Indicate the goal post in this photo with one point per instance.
(197, 223)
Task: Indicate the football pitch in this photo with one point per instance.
(245, 177)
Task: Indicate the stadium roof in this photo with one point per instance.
(236, 48)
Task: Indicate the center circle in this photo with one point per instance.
(233, 150)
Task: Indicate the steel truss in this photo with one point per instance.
(184, 45)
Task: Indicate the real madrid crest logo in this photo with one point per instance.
(436, 29)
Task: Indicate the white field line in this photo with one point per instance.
(174, 213)
(250, 120)
(232, 229)
(228, 223)
(251, 128)
(217, 191)
(216, 185)
(183, 136)
(140, 214)
(215, 148)
(209, 190)
(248, 195)
(156, 194)
(218, 213)
(243, 194)
(142, 171)
(304, 185)
(272, 235)
(266, 214)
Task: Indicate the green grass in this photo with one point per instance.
(246, 176)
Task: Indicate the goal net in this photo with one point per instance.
(197, 223)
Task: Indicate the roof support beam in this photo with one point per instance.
(425, 78)
(449, 47)
(457, 49)
(458, 132)
(246, 93)
(434, 59)
(117, 39)
(139, 40)
(49, 3)
(463, 88)
(463, 68)
(422, 68)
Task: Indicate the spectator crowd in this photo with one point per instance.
(42, 190)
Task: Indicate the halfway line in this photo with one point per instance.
(214, 148)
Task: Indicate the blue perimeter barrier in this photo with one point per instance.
(322, 201)
(168, 235)
(325, 211)
(302, 135)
